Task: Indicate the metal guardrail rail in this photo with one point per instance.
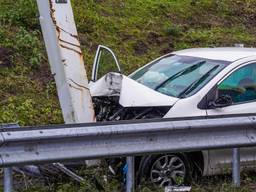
(48, 144)
(89, 141)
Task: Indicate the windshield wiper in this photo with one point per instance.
(193, 85)
(183, 72)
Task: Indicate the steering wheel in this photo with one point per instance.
(251, 87)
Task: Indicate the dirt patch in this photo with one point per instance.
(166, 51)
(43, 74)
(140, 47)
(6, 57)
(154, 38)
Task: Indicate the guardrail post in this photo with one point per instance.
(8, 177)
(130, 174)
(8, 180)
(236, 167)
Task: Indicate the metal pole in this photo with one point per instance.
(8, 180)
(236, 167)
(130, 174)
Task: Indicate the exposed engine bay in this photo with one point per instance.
(120, 90)
(108, 109)
(117, 97)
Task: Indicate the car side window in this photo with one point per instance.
(240, 85)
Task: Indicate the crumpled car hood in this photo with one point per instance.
(130, 92)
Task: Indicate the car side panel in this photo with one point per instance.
(221, 160)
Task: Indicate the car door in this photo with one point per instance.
(108, 61)
(240, 86)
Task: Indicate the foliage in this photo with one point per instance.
(137, 30)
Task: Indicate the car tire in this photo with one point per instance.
(166, 170)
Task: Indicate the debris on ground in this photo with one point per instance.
(178, 189)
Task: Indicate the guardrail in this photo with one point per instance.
(34, 145)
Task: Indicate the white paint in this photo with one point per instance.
(225, 54)
(108, 85)
(97, 60)
(130, 92)
(134, 94)
(65, 58)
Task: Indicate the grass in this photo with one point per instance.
(137, 30)
(96, 181)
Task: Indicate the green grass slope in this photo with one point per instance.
(137, 30)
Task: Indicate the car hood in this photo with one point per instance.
(130, 92)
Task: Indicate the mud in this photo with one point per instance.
(6, 57)
(154, 38)
(140, 48)
(42, 74)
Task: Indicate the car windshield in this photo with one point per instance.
(178, 76)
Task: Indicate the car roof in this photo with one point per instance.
(230, 54)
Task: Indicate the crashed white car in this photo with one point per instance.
(192, 82)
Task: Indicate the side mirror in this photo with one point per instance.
(222, 101)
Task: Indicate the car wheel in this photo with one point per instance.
(168, 170)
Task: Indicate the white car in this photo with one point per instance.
(191, 82)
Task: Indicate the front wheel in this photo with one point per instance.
(168, 170)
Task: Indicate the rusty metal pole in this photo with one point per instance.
(66, 60)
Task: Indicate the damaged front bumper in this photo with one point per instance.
(118, 97)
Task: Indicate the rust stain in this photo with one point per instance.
(52, 11)
(79, 84)
(65, 47)
(82, 63)
(91, 108)
(59, 29)
(72, 35)
(58, 32)
(52, 14)
(79, 89)
(78, 46)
